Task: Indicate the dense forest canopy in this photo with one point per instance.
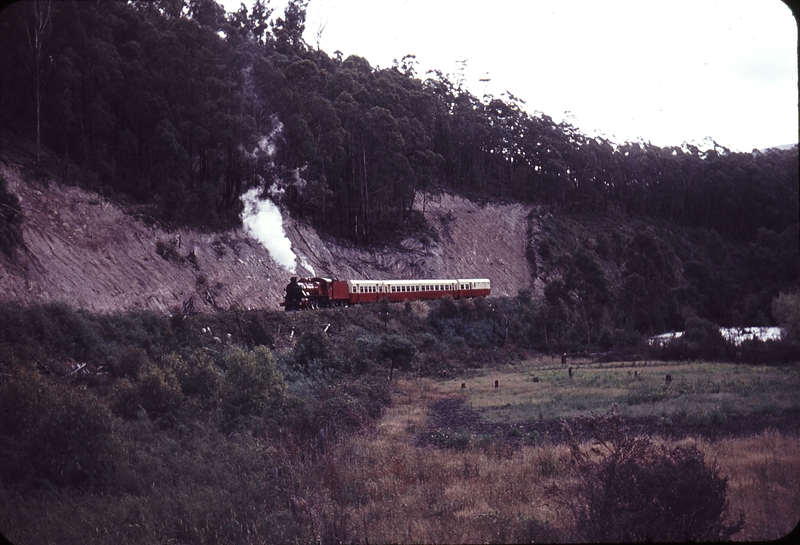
(180, 106)
(176, 102)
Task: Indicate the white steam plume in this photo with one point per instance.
(262, 220)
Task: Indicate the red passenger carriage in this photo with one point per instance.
(302, 293)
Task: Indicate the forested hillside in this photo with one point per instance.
(175, 103)
(180, 107)
(153, 391)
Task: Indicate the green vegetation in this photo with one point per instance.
(10, 221)
(138, 427)
(184, 107)
(698, 392)
(155, 428)
(178, 108)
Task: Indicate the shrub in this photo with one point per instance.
(199, 378)
(786, 309)
(156, 393)
(398, 351)
(11, 218)
(130, 362)
(314, 352)
(452, 439)
(628, 489)
(704, 338)
(255, 332)
(252, 386)
(55, 434)
(346, 405)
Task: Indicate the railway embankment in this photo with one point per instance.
(103, 254)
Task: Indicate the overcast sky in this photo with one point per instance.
(666, 72)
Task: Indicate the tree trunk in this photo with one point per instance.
(41, 22)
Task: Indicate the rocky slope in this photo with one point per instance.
(94, 254)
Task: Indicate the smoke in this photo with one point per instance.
(262, 220)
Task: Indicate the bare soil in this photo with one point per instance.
(96, 254)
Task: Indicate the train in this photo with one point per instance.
(311, 293)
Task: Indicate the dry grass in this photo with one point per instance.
(764, 482)
(381, 487)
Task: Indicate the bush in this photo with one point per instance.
(452, 439)
(786, 309)
(352, 404)
(252, 386)
(156, 393)
(199, 378)
(11, 218)
(314, 352)
(55, 434)
(704, 339)
(130, 362)
(254, 331)
(628, 489)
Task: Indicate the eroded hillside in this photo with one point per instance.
(92, 253)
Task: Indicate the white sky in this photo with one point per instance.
(667, 72)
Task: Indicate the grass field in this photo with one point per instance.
(385, 484)
(700, 392)
(488, 492)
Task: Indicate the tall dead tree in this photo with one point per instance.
(37, 33)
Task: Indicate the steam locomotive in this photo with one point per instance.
(303, 293)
